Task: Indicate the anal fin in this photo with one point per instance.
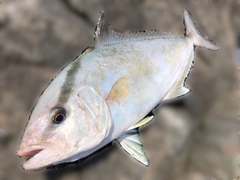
(177, 92)
(130, 141)
(142, 122)
(179, 88)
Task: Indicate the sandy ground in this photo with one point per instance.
(195, 137)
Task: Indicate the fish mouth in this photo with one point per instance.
(30, 152)
(38, 157)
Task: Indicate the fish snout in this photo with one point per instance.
(29, 142)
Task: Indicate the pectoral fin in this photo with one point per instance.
(119, 91)
(130, 141)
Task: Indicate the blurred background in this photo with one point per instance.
(195, 137)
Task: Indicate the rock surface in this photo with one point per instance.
(192, 138)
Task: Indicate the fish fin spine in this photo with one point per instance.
(199, 39)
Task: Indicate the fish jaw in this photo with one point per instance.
(44, 153)
(31, 151)
(40, 157)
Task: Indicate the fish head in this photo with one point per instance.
(59, 133)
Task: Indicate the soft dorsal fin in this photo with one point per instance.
(105, 34)
(119, 91)
(130, 141)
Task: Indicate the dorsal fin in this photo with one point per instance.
(105, 34)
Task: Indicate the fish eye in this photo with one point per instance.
(59, 115)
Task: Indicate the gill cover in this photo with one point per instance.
(96, 113)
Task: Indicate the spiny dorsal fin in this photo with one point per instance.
(119, 91)
(105, 34)
(130, 141)
(142, 122)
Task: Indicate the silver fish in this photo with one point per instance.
(106, 93)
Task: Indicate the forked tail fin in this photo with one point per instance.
(199, 39)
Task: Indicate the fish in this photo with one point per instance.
(106, 93)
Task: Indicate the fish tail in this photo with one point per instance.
(199, 39)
